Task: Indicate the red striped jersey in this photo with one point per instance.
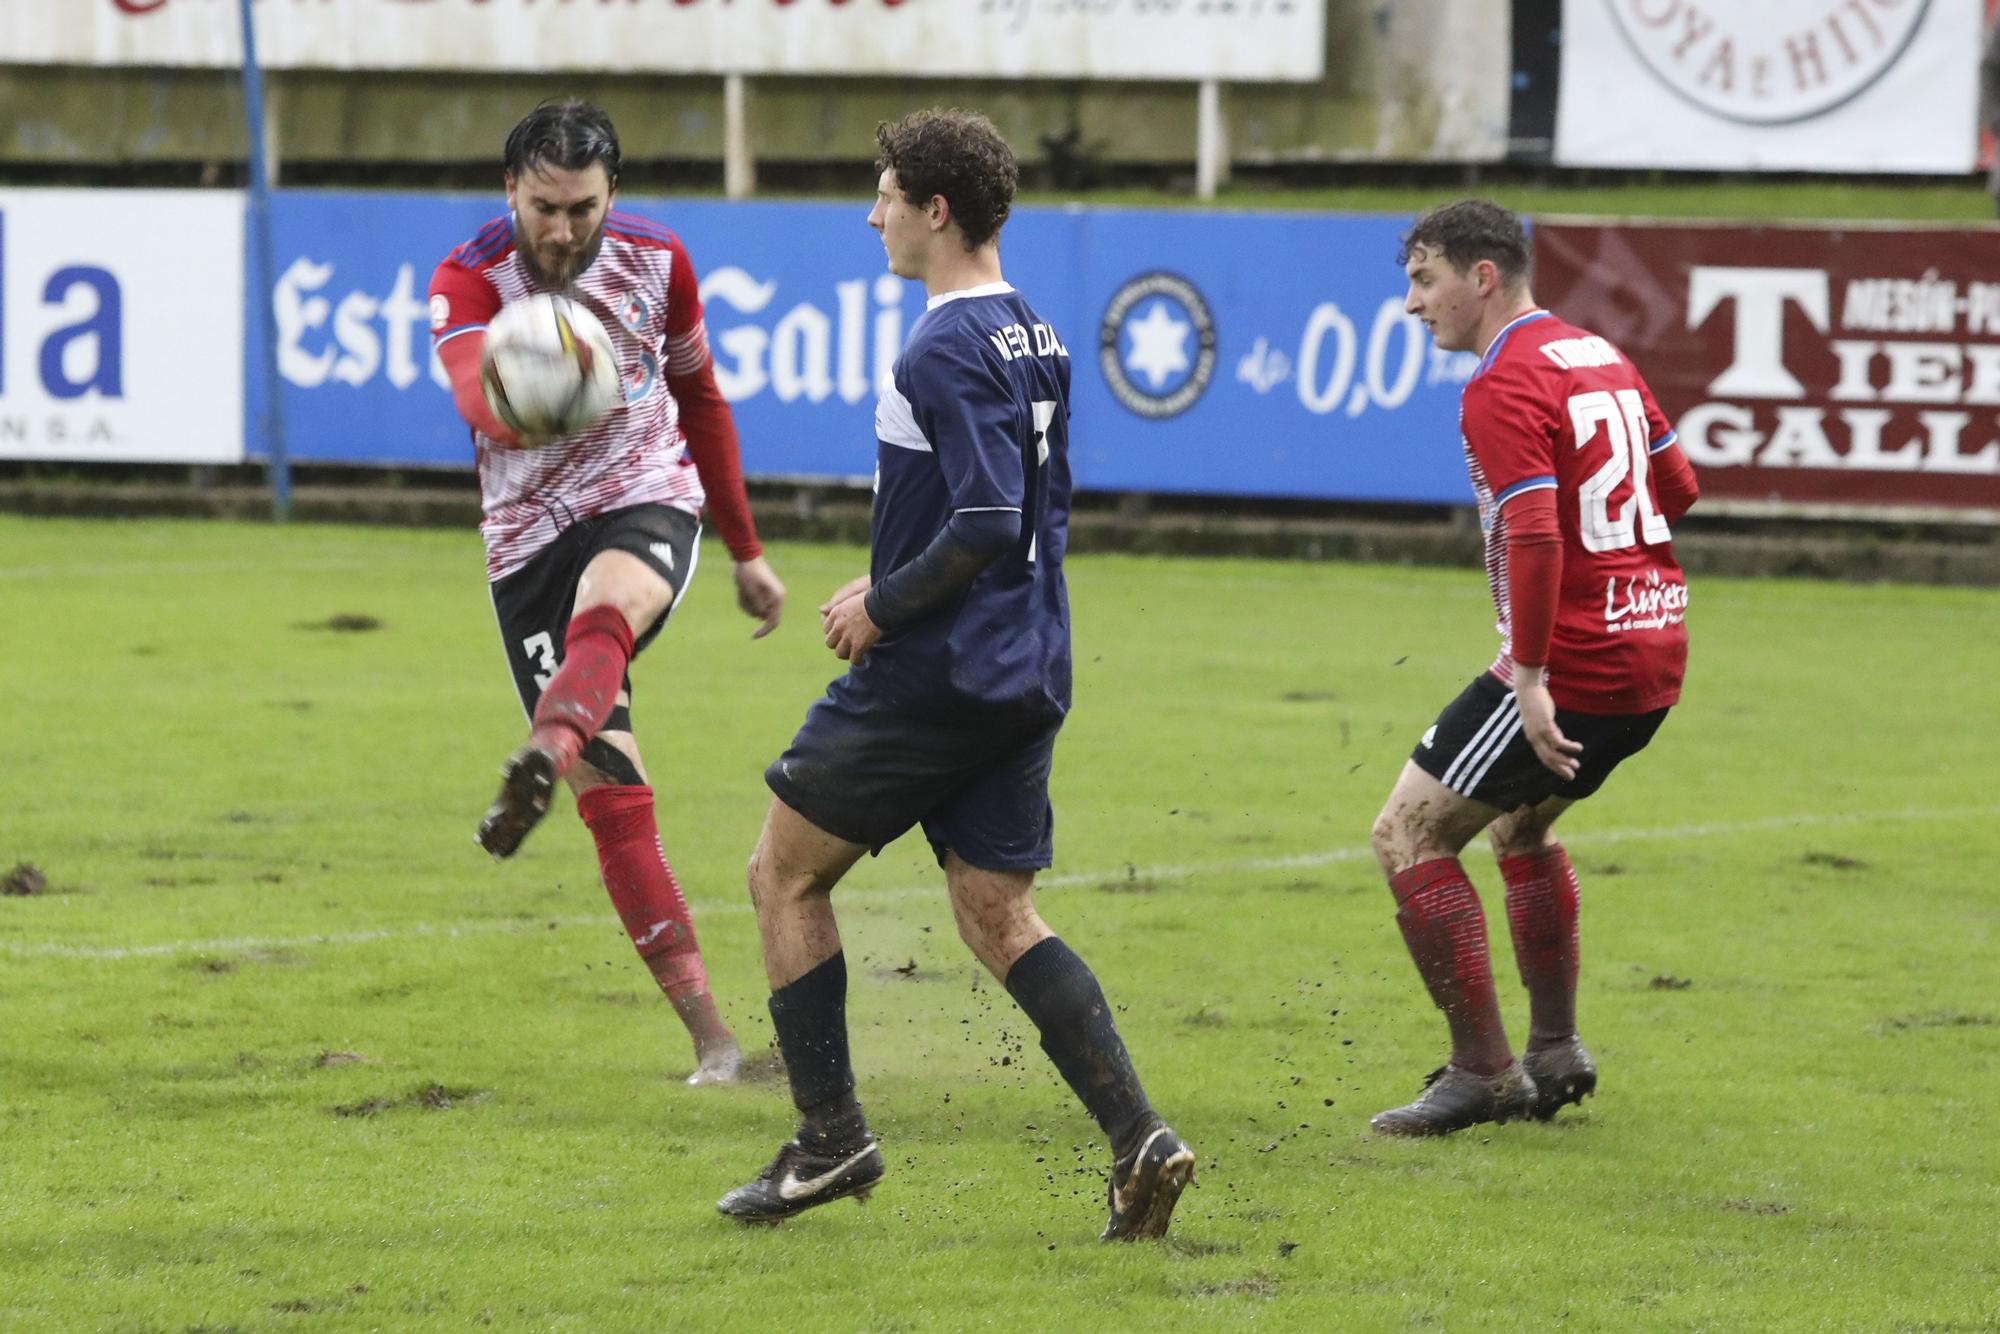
(643, 290)
(1555, 407)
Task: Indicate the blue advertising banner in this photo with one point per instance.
(1240, 354)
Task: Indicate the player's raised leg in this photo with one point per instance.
(1542, 905)
(616, 804)
(617, 598)
(1417, 839)
(832, 1154)
(996, 916)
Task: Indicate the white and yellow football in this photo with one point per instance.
(549, 369)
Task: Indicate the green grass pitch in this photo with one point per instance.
(282, 1050)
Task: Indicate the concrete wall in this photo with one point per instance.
(1405, 80)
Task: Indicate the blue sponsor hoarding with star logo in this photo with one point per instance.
(1227, 354)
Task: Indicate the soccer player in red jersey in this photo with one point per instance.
(1577, 477)
(591, 539)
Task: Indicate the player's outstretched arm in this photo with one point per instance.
(462, 356)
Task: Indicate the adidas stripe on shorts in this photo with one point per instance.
(1477, 749)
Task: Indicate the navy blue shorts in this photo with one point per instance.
(977, 780)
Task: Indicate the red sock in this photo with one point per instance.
(649, 902)
(1542, 901)
(1445, 929)
(597, 647)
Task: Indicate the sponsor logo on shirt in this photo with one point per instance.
(1645, 602)
(1157, 344)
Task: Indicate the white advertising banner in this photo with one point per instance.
(1776, 85)
(1236, 40)
(121, 325)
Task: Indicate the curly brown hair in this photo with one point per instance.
(957, 154)
(1468, 231)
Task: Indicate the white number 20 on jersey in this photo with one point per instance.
(1623, 420)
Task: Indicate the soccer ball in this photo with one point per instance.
(549, 369)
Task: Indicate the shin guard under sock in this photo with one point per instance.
(1445, 930)
(1060, 995)
(642, 886)
(1542, 902)
(597, 647)
(809, 1016)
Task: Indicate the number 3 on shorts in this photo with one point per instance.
(541, 649)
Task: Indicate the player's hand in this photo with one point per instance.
(760, 594)
(851, 589)
(849, 631)
(1538, 721)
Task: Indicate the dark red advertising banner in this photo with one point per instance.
(1807, 366)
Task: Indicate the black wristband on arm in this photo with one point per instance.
(969, 542)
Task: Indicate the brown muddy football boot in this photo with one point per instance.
(1563, 1073)
(1454, 1098)
(527, 781)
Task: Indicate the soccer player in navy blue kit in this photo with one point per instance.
(960, 678)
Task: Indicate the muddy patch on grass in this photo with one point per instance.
(764, 1067)
(177, 881)
(1255, 1285)
(1836, 860)
(1195, 1247)
(1205, 1017)
(1904, 1023)
(343, 623)
(426, 1098)
(329, 1058)
(1763, 1208)
(23, 880)
(1310, 696)
(1668, 982)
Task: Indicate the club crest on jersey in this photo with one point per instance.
(634, 312)
(440, 311)
(640, 379)
(1156, 345)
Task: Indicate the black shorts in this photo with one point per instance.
(534, 603)
(977, 780)
(1478, 750)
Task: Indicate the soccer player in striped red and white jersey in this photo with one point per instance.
(591, 540)
(1577, 476)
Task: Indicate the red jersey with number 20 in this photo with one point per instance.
(1555, 407)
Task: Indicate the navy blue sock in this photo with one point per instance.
(810, 1016)
(1060, 995)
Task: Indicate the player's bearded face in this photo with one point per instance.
(559, 219)
(1446, 300)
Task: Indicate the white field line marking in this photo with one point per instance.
(862, 897)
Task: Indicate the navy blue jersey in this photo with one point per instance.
(977, 418)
